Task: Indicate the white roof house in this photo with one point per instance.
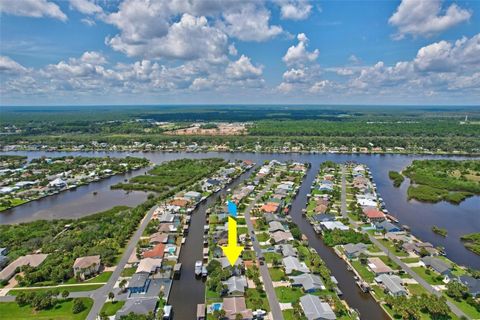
(315, 309)
(293, 264)
(149, 265)
(330, 225)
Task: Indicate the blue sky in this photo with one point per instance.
(217, 51)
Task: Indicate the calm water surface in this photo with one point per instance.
(457, 219)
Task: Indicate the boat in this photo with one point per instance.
(198, 267)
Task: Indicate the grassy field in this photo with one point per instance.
(431, 278)
(366, 274)
(110, 308)
(288, 294)
(276, 273)
(88, 287)
(62, 311)
(256, 300)
(101, 278)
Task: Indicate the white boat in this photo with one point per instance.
(198, 267)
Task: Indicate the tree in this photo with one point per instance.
(111, 295)
(456, 290)
(122, 284)
(78, 306)
(65, 294)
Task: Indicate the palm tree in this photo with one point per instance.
(111, 295)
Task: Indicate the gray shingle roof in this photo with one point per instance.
(315, 309)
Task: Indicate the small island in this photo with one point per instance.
(440, 231)
(472, 242)
(396, 177)
(443, 180)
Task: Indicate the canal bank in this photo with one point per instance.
(364, 303)
(188, 290)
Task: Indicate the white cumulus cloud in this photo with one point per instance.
(298, 54)
(32, 8)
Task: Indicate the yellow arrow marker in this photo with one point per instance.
(232, 251)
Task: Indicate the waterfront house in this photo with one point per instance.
(57, 183)
(323, 217)
(321, 208)
(374, 215)
(438, 265)
(84, 267)
(392, 283)
(288, 250)
(166, 217)
(387, 226)
(353, 250)
(420, 248)
(33, 260)
(158, 237)
(138, 283)
(275, 226)
(149, 265)
(378, 266)
(138, 306)
(316, 309)
(156, 252)
(167, 227)
(309, 282)
(270, 207)
(234, 306)
(282, 237)
(182, 203)
(471, 283)
(236, 285)
(331, 225)
(193, 196)
(292, 264)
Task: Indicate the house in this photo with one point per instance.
(331, 225)
(139, 306)
(292, 264)
(392, 283)
(149, 265)
(420, 248)
(57, 183)
(193, 196)
(472, 284)
(158, 237)
(84, 267)
(167, 227)
(354, 250)
(234, 306)
(166, 217)
(33, 260)
(288, 250)
(320, 208)
(225, 263)
(236, 285)
(323, 217)
(270, 207)
(182, 203)
(387, 226)
(438, 265)
(275, 226)
(138, 283)
(308, 281)
(282, 237)
(315, 309)
(156, 252)
(378, 266)
(374, 214)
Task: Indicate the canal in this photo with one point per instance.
(188, 291)
(457, 219)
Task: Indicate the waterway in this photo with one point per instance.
(188, 291)
(457, 219)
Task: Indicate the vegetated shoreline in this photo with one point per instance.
(396, 177)
(472, 242)
(437, 180)
(440, 231)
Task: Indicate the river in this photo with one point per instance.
(457, 219)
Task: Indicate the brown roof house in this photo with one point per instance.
(85, 267)
(234, 306)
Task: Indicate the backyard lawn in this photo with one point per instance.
(62, 311)
(110, 308)
(432, 278)
(277, 274)
(72, 288)
(366, 274)
(256, 300)
(288, 294)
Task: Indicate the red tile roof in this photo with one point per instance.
(155, 252)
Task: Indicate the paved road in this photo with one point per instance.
(267, 280)
(343, 207)
(99, 296)
(459, 313)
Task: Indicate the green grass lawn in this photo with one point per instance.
(416, 289)
(389, 262)
(110, 308)
(276, 274)
(242, 230)
(262, 237)
(101, 278)
(288, 294)
(465, 307)
(392, 249)
(431, 278)
(128, 272)
(256, 300)
(62, 311)
(365, 274)
(269, 256)
(411, 260)
(88, 287)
